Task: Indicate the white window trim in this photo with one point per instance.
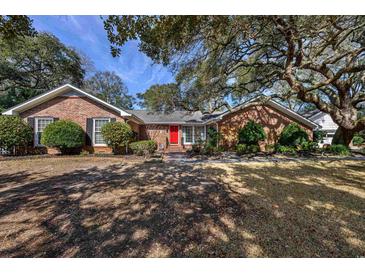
(193, 134)
(36, 144)
(98, 145)
(184, 135)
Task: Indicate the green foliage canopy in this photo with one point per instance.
(108, 86)
(164, 98)
(35, 64)
(15, 26)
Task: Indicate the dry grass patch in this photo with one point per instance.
(95, 207)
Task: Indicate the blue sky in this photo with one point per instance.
(86, 33)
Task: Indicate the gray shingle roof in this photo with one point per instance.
(178, 117)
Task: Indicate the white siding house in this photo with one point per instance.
(325, 124)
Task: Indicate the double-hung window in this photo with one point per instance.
(98, 137)
(40, 125)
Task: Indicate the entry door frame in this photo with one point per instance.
(177, 127)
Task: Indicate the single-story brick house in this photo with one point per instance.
(172, 131)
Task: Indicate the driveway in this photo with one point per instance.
(111, 207)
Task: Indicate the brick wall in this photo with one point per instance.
(158, 133)
(271, 119)
(135, 127)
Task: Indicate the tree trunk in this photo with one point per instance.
(343, 136)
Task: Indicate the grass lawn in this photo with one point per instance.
(109, 207)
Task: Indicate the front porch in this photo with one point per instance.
(182, 137)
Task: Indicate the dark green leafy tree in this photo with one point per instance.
(15, 26)
(319, 58)
(107, 85)
(164, 98)
(36, 64)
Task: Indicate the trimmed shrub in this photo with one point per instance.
(309, 146)
(358, 140)
(64, 135)
(117, 135)
(146, 147)
(270, 148)
(245, 149)
(293, 135)
(241, 149)
(14, 132)
(286, 149)
(251, 134)
(211, 150)
(338, 150)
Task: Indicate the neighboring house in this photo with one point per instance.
(325, 124)
(174, 131)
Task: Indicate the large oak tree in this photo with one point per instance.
(15, 26)
(109, 86)
(35, 64)
(320, 59)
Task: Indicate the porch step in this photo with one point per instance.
(173, 149)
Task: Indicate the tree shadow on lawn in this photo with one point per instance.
(304, 210)
(165, 210)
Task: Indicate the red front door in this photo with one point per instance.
(174, 134)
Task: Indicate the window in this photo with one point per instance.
(98, 124)
(193, 134)
(199, 134)
(188, 135)
(40, 125)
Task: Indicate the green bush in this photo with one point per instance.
(244, 149)
(309, 146)
(338, 150)
(286, 149)
(212, 137)
(269, 148)
(64, 135)
(146, 147)
(241, 149)
(358, 140)
(251, 134)
(318, 136)
(293, 135)
(117, 135)
(14, 132)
